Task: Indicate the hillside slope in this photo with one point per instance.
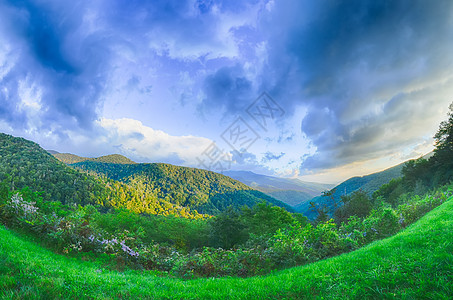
(24, 163)
(205, 191)
(414, 264)
(159, 189)
(27, 164)
(69, 158)
(287, 190)
(369, 184)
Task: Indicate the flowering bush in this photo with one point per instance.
(73, 231)
(19, 212)
(417, 207)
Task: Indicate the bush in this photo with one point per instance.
(383, 222)
(128, 240)
(18, 212)
(417, 207)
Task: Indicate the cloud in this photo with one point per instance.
(406, 120)
(70, 50)
(136, 140)
(372, 77)
(228, 89)
(45, 47)
(248, 161)
(268, 156)
(183, 29)
(372, 74)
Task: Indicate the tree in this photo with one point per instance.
(416, 170)
(443, 154)
(227, 230)
(264, 218)
(444, 136)
(321, 211)
(331, 195)
(357, 204)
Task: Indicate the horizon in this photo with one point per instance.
(227, 171)
(321, 92)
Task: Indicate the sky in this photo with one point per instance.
(316, 90)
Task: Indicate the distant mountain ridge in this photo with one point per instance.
(69, 158)
(288, 190)
(368, 183)
(160, 189)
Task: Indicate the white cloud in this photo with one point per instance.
(133, 138)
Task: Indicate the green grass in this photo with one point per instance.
(414, 264)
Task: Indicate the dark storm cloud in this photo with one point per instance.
(371, 74)
(50, 51)
(364, 70)
(173, 27)
(227, 89)
(67, 49)
(9, 108)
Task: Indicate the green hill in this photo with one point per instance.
(113, 159)
(205, 191)
(69, 158)
(369, 184)
(24, 163)
(27, 164)
(414, 264)
(145, 188)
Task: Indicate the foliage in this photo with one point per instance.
(423, 175)
(250, 238)
(369, 184)
(204, 191)
(69, 158)
(411, 265)
(28, 165)
(24, 164)
(246, 242)
(357, 204)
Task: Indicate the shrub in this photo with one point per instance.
(383, 222)
(18, 212)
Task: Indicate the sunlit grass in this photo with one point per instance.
(416, 263)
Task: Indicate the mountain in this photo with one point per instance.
(369, 184)
(142, 188)
(205, 191)
(287, 190)
(24, 163)
(69, 158)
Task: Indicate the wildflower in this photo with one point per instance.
(401, 219)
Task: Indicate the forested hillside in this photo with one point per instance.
(369, 184)
(25, 164)
(69, 158)
(145, 188)
(205, 191)
(235, 242)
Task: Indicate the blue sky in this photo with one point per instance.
(350, 87)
